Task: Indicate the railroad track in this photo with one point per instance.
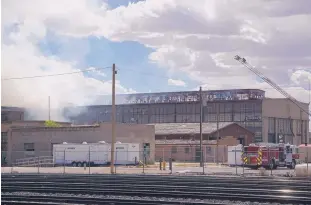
(88, 200)
(152, 186)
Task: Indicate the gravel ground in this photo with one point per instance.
(123, 170)
(160, 199)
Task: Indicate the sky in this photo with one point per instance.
(157, 46)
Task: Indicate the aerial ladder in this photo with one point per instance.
(271, 83)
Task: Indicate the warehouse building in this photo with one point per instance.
(9, 114)
(29, 142)
(210, 131)
(272, 120)
(7, 126)
(181, 141)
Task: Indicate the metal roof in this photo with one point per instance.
(12, 109)
(187, 128)
(186, 142)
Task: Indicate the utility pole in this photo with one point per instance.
(49, 103)
(308, 133)
(217, 141)
(201, 135)
(113, 118)
(301, 128)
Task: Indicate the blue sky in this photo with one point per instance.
(131, 58)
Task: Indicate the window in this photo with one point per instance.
(284, 126)
(237, 117)
(271, 126)
(29, 146)
(221, 107)
(210, 118)
(146, 149)
(187, 150)
(211, 108)
(228, 117)
(298, 126)
(243, 117)
(190, 108)
(305, 127)
(4, 117)
(237, 107)
(243, 107)
(4, 141)
(257, 124)
(271, 138)
(228, 107)
(221, 117)
(280, 125)
(174, 149)
(258, 137)
(181, 108)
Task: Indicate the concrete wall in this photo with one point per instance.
(283, 108)
(44, 138)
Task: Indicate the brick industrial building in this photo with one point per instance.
(27, 142)
(270, 119)
(25, 139)
(180, 141)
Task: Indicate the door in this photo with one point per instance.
(197, 154)
(289, 155)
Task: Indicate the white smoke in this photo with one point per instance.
(22, 29)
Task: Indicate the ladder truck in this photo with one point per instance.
(274, 85)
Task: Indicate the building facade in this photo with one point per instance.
(189, 151)
(247, 107)
(181, 141)
(9, 114)
(210, 131)
(28, 142)
(7, 126)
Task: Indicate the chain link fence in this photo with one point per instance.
(219, 160)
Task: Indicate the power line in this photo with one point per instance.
(231, 86)
(52, 75)
(123, 69)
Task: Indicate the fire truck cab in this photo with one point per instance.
(270, 156)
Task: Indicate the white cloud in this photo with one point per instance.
(199, 39)
(21, 57)
(176, 82)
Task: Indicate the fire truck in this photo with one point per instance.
(270, 156)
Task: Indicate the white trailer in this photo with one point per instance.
(81, 154)
(95, 154)
(126, 154)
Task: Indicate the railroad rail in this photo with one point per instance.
(47, 188)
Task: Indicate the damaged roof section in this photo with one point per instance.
(188, 128)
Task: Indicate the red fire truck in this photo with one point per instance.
(270, 156)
